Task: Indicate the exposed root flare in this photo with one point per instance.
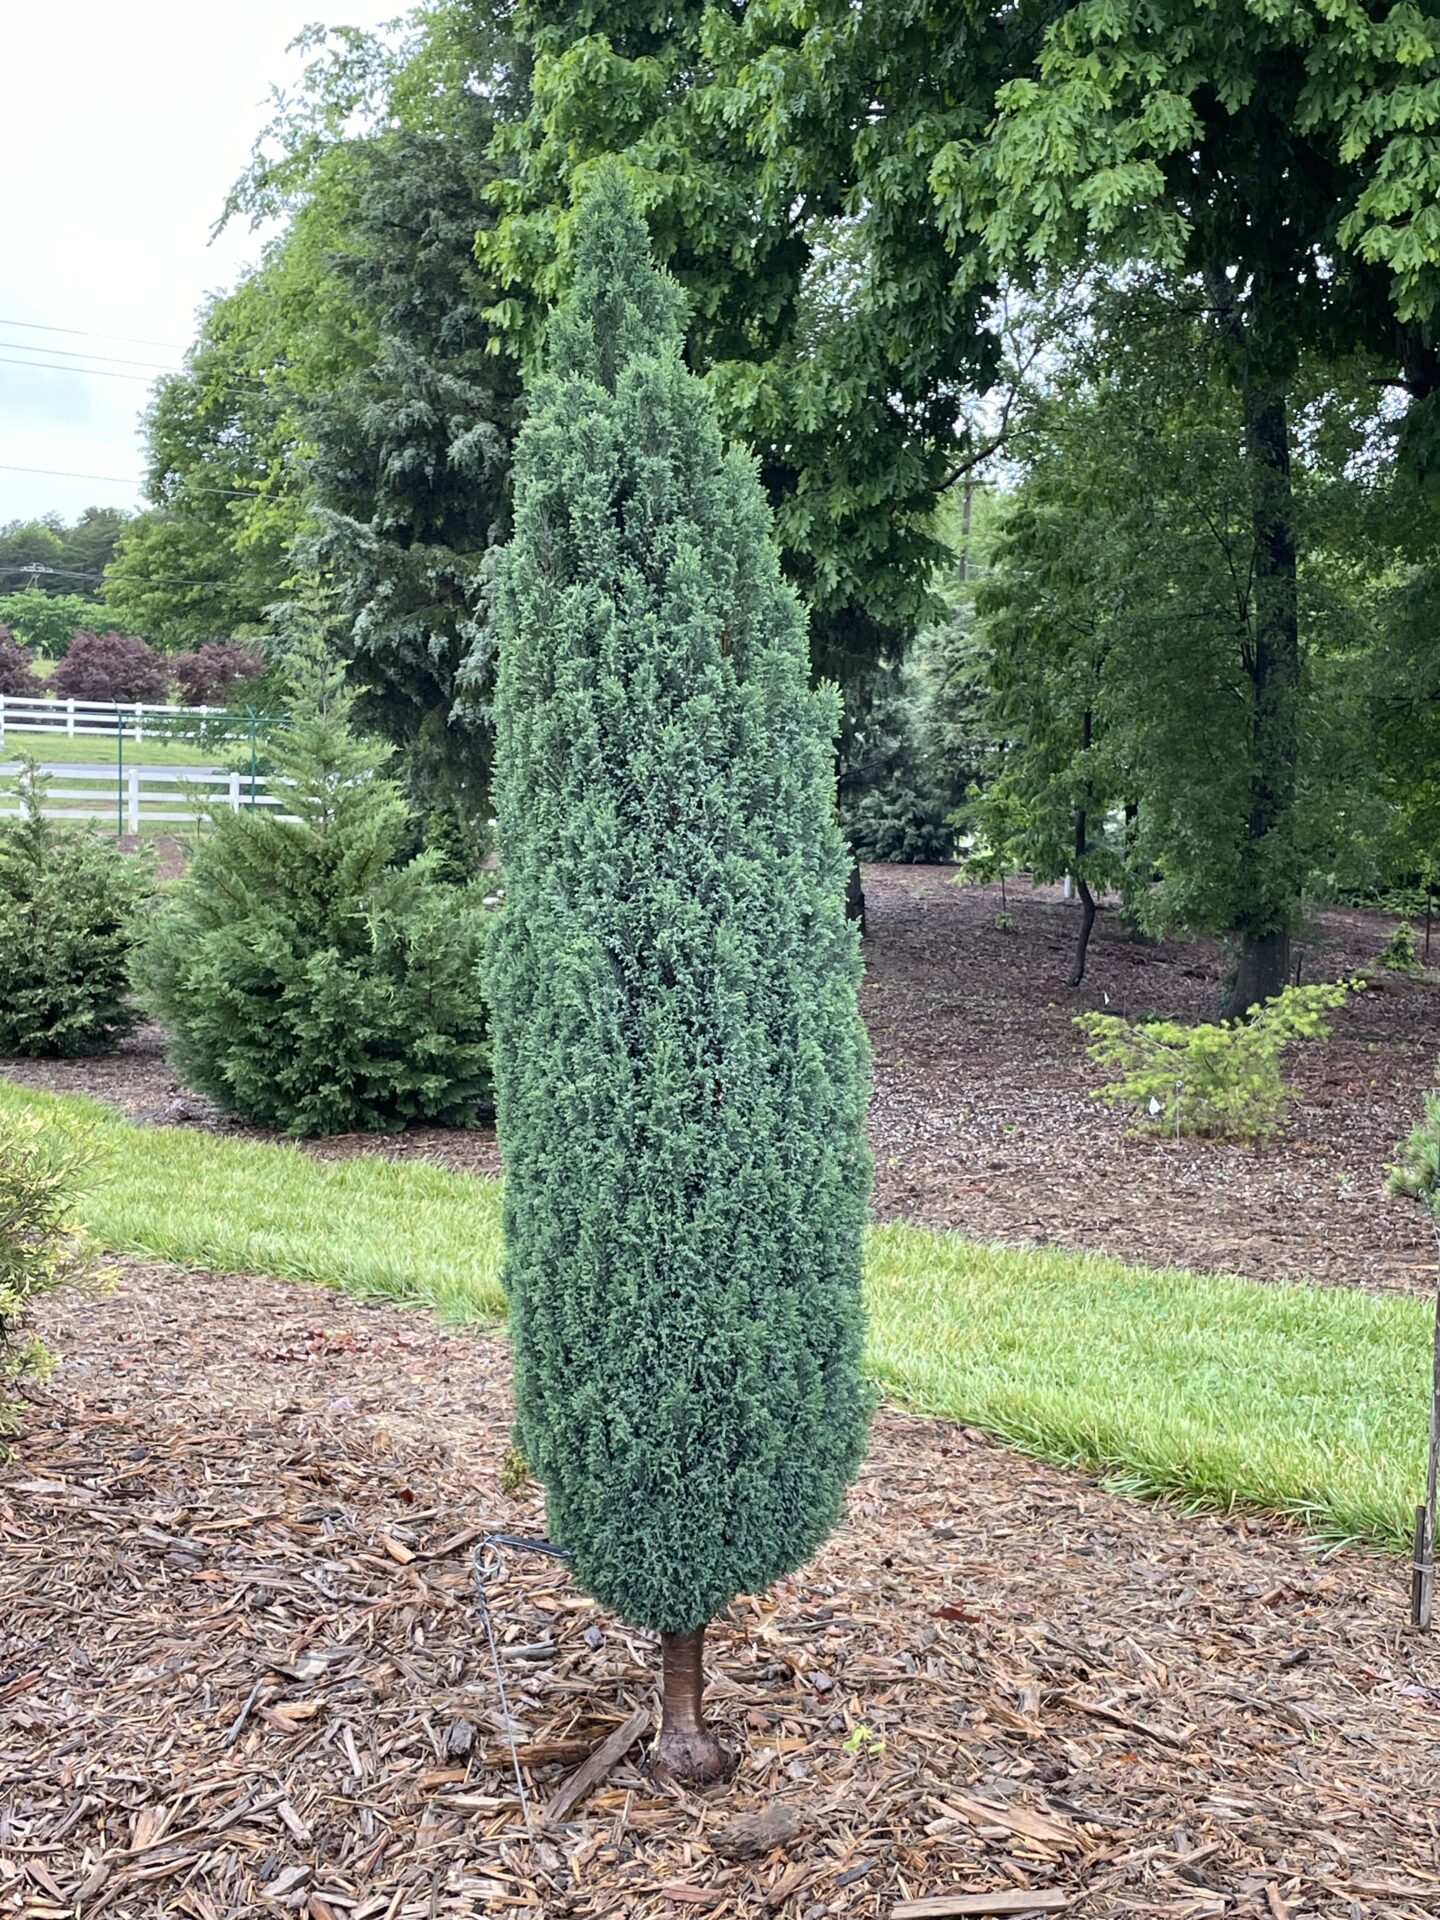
(687, 1753)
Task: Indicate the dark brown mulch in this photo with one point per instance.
(241, 1671)
(981, 1118)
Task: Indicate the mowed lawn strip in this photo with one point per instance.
(1218, 1390)
(98, 749)
(383, 1229)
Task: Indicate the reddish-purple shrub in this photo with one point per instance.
(111, 666)
(15, 673)
(208, 676)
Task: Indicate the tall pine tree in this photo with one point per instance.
(680, 1066)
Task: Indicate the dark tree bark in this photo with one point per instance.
(687, 1753)
(855, 896)
(1271, 655)
(1274, 670)
(1087, 927)
(1082, 885)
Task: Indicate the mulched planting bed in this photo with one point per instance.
(241, 1670)
(981, 1119)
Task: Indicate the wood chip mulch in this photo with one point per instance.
(981, 1118)
(242, 1671)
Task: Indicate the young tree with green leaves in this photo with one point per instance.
(680, 1065)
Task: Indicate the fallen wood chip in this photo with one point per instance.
(1167, 1736)
(752, 1834)
(586, 1778)
(948, 1906)
(1021, 1820)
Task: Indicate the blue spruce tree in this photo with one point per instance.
(679, 1063)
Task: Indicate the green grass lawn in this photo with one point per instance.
(1216, 1391)
(99, 749)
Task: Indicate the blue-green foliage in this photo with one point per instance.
(311, 977)
(680, 1067)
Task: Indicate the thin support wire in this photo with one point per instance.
(485, 1563)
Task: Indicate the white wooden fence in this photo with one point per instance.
(140, 796)
(102, 719)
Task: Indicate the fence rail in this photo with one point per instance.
(141, 796)
(48, 713)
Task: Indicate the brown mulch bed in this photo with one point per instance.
(241, 1669)
(981, 1118)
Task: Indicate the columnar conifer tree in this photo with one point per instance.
(680, 1067)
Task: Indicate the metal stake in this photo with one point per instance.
(490, 1546)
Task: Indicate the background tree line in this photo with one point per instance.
(1188, 655)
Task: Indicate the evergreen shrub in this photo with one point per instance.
(41, 1250)
(71, 905)
(680, 1067)
(311, 977)
(1221, 1078)
(1398, 953)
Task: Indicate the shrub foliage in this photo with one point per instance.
(40, 1249)
(111, 666)
(1220, 1079)
(679, 1061)
(70, 908)
(17, 666)
(209, 675)
(310, 977)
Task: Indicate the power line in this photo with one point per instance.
(84, 333)
(99, 373)
(64, 473)
(71, 573)
(71, 353)
(119, 480)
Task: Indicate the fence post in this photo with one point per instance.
(235, 790)
(69, 719)
(134, 792)
(2, 719)
(139, 721)
(119, 774)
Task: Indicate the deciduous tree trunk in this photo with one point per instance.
(1087, 899)
(1272, 662)
(855, 896)
(687, 1752)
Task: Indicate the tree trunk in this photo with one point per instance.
(687, 1753)
(855, 896)
(1263, 971)
(1271, 651)
(1087, 899)
(1274, 670)
(1087, 927)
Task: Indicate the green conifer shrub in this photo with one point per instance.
(1220, 1079)
(680, 1066)
(311, 977)
(41, 1250)
(70, 911)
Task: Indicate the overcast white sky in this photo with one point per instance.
(124, 126)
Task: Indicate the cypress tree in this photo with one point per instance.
(679, 1062)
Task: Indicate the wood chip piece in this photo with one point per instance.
(950, 1906)
(586, 1778)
